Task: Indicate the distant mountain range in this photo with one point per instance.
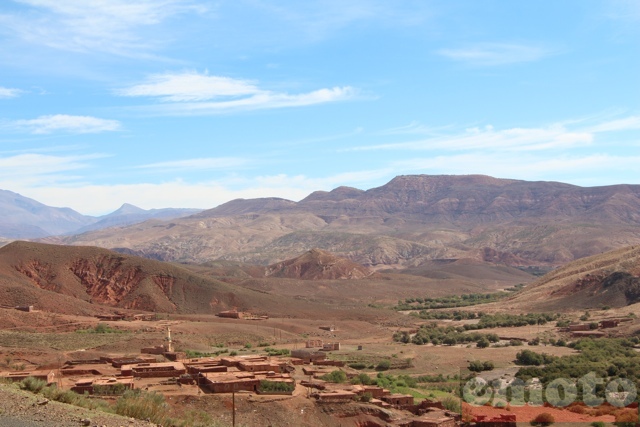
(404, 223)
(25, 218)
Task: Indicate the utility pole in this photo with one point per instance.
(233, 405)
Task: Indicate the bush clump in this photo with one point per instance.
(543, 420)
(383, 365)
(335, 377)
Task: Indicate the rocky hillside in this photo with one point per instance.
(610, 279)
(317, 264)
(85, 280)
(405, 223)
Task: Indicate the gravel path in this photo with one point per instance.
(20, 408)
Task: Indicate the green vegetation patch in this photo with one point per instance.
(437, 335)
(465, 300)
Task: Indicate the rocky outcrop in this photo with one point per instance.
(106, 279)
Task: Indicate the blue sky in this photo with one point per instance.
(187, 103)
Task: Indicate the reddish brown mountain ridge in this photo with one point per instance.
(404, 223)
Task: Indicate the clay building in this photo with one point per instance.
(103, 385)
(228, 382)
(231, 314)
(259, 366)
(234, 361)
(580, 327)
(157, 349)
(313, 343)
(195, 366)
(27, 308)
(48, 376)
(153, 370)
(79, 370)
(337, 396)
(331, 346)
(110, 317)
(609, 323)
(375, 391)
(120, 362)
(308, 355)
(398, 400)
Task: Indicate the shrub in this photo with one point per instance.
(626, 419)
(488, 366)
(336, 376)
(544, 419)
(451, 403)
(475, 366)
(357, 365)
(142, 405)
(384, 365)
(33, 385)
(483, 343)
(366, 397)
(276, 387)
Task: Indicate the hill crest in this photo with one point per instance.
(317, 264)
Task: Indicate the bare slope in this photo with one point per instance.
(611, 279)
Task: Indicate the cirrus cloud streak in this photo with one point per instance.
(65, 123)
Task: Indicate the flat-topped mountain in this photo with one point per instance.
(465, 200)
(404, 223)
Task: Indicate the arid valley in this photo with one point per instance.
(350, 308)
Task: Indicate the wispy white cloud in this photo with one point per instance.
(24, 170)
(318, 20)
(495, 54)
(6, 92)
(513, 139)
(192, 93)
(87, 26)
(65, 123)
(627, 123)
(190, 86)
(415, 127)
(199, 164)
